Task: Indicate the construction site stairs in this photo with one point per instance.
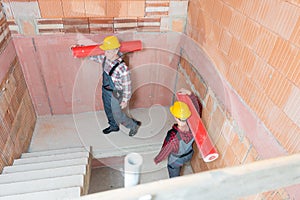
(52, 174)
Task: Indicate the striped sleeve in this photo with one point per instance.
(126, 84)
(98, 58)
(169, 146)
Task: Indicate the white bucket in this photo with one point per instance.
(132, 168)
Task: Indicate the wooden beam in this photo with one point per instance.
(226, 183)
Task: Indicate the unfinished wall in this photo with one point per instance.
(17, 115)
(251, 109)
(94, 16)
(255, 47)
(60, 84)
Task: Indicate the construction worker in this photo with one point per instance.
(116, 86)
(177, 146)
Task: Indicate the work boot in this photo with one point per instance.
(134, 130)
(110, 129)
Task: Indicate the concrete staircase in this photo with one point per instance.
(53, 174)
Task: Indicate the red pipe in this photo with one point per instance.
(92, 50)
(202, 139)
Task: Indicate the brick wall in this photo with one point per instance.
(94, 16)
(17, 116)
(233, 147)
(255, 47)
(260, 61)
(43, 28)
(229, 139)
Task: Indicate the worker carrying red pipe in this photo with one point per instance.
(178, 143)
(93, 50)
(116, 86)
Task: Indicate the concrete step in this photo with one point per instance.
(42, 174)
(54, 152)
(64, 193)
(47, 158)
(44, 165)
(145, 148)
(41, 185)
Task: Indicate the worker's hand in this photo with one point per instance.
(123, 104)
(184, 91)
(160, 164)
(75, 45)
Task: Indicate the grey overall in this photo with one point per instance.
(184, 154)
(111, 102)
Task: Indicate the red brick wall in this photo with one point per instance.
(94, 16)
(61, 84)
(255, 46)
(233, 146)
(230, 140)
(245, 42)
(17, 115)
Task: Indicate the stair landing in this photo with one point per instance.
(85, 129)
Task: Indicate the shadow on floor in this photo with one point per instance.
(107, 174)
(105, 178)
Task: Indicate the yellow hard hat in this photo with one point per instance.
(109, 43)
(180, 110)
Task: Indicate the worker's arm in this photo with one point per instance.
(170, 145)
(98, 58)
(194, 99)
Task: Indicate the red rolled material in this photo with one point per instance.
(202, 139)
(92, 50)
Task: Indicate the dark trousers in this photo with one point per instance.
(113, 111)
(174, 168)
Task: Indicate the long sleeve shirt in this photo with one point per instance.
(171, 142)
(120, 76)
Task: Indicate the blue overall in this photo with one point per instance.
(112, 107)
(184, 154)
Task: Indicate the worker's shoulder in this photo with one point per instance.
(97, 58)
(172, 134)
(123, 66)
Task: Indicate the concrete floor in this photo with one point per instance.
(85, 129)
(109, 178)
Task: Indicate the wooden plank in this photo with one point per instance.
(95, 8)
(136, 8)
(87, 175)
(226, 183)
(73, 8)
(50, 9)
(117, 8)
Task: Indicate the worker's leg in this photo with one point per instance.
(119, 116)
(106, 97)
(174, 170)
(174, 167)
